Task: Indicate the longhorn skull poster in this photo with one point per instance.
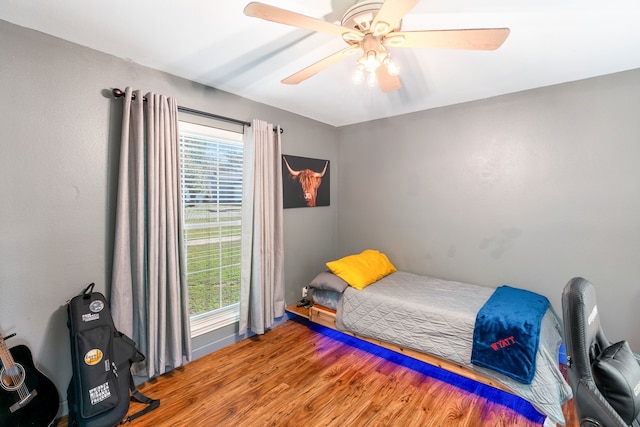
(305, 182)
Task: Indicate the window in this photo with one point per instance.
(211, 175)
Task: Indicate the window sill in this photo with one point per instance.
(207, 322)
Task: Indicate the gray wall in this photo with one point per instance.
(528, 189)
(58, 167)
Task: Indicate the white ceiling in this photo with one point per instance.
(214, 43)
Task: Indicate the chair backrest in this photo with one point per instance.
(584, 339)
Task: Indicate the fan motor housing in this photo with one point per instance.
(360, 16)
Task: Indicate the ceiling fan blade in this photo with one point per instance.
(471, 39)
(387, 81)
(283, 16)
(314, 69)
(390, 15)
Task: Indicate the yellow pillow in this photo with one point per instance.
(362, 269)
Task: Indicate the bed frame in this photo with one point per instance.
(327, 317)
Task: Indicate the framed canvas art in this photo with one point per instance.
(305, 182)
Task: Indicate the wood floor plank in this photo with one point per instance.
(294, 376)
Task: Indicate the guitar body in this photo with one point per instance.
(42, 409)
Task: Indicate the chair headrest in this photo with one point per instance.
(581, 308)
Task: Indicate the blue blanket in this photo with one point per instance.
(507, 332)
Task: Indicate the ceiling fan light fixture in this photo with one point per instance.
(358, 76)
(368, 27)
(392, 68)
(372, 80)
(369, 61)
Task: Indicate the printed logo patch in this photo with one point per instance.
(93, 357)
(90, 317)
(96, 306)
(100, 393)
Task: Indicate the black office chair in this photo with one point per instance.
(602, 375)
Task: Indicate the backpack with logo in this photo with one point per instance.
(101, 386)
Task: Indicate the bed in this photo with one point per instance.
(433, 320)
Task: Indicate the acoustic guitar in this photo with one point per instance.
(27, 397)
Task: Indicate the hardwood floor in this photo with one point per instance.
(293, 376)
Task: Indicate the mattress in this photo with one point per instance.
(437, 317)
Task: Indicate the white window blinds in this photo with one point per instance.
(211, 174)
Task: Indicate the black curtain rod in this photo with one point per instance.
(118, 93)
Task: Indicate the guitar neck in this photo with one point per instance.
(5, 355)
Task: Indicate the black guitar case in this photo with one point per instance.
(101, 386)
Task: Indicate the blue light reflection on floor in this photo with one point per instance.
(492, 394)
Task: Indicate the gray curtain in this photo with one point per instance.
(148, 290)
(262, 265)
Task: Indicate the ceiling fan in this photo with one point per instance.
(369, 28)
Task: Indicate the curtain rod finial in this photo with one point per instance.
(117, 92)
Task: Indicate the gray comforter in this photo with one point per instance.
(437, 317)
